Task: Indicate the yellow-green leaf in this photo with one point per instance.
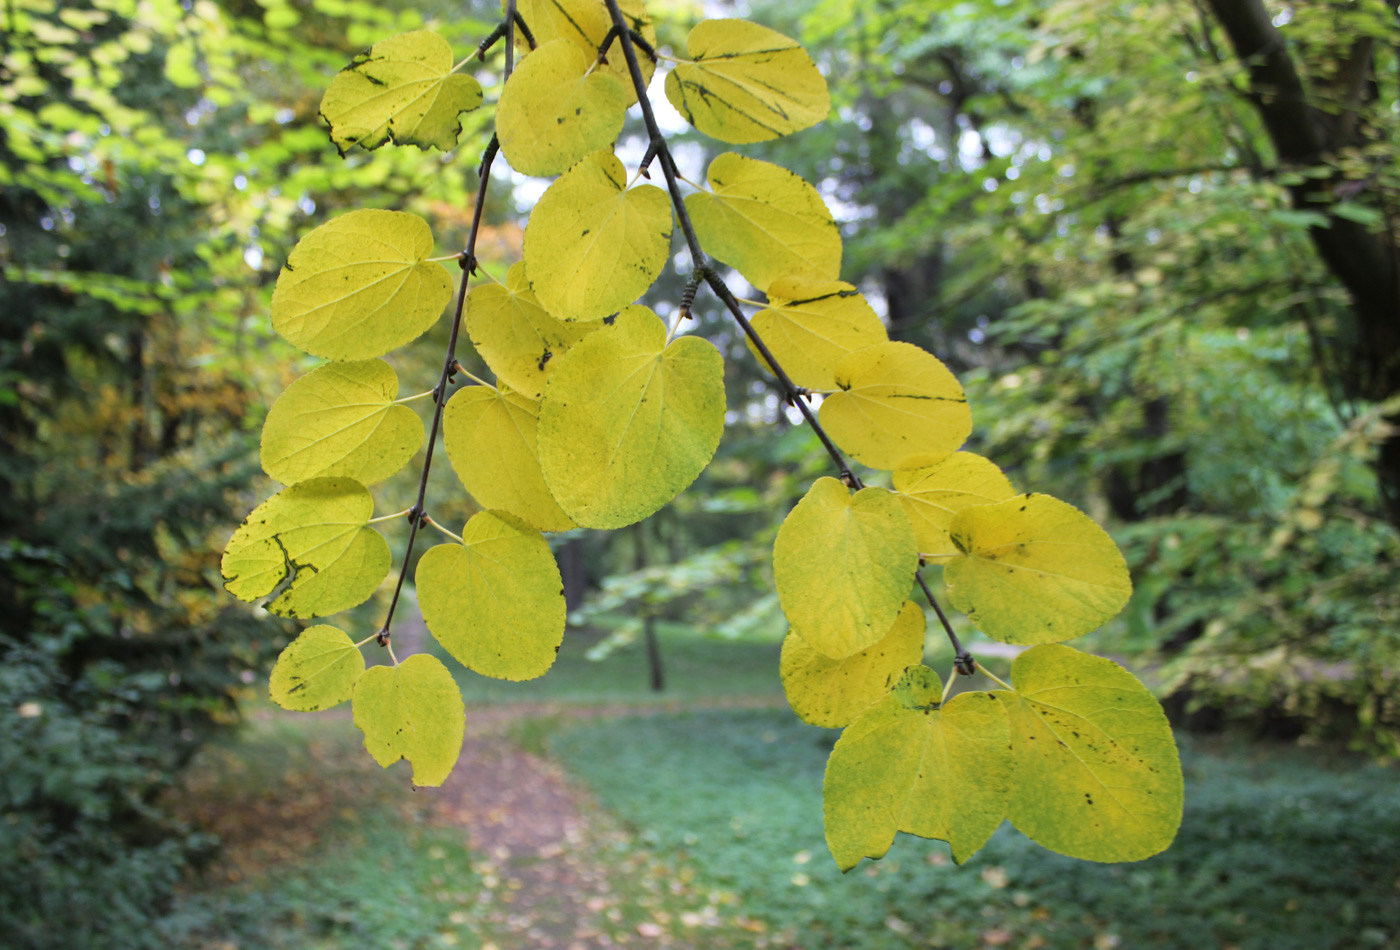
(933, 495)
(810, 325)
(515, 336)
(490, 436)
(340, 419)
(765, 222)
(593, 245)
(495, 602)
(412, 711)
(830, 693)
(403, 91)
(317, 670)
(1097, 775)
(1034, 570)
(747, 83)
(311, 544)
(907, 764)
(555, 110)
(585, 23)
(360, 285)
(628, 421)
(843, 566)
(897, 407)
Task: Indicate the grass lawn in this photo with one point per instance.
(1279, 849)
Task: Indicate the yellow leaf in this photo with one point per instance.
(555, 110)
(1034, 570)
(317, 670)
(765, 222)
(593, 245)
(495, 602)
(403, 90)
(1097, 776)
(932, 496)
(810, 325)
(360, 285)
(747, 83)
(843, 566)
(898, 407)
(628, 421)
(340, 419)
(312, 545)
(907, 764)
(490, 436)
(830, 693)
(515, 336)
(412, 711)
(585, 23)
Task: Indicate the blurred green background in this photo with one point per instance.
(1078, 205)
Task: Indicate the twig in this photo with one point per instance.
(792, 394)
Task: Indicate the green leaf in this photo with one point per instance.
(765, 222)
(628, 421)
(360, 285)
(933, 495)
(340, 420)
(515, 336)
(830, 693)
(1097, 775)
(317, 670)
(310, 543)
(555, 110)
(843, 566)
(810, 325)
(495, 602)
(490, 436)
(403, 91)
(898, 407)
(412, 711)
(593, 245)
(747, 83)
(907, 764)
(1034, 570)
(585, 23)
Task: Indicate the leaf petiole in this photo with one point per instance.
(414, 398)
(397, 514)
(994, 678)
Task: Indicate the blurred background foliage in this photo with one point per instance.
(1085, 207)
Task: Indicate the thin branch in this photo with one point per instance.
(794, 395)
(467, 259)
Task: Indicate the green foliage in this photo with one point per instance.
(630, 415)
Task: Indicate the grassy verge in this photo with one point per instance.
(320, 853)
(1279, 849)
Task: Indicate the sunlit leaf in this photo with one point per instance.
(403, 91)
(830, 693)
(933, 495)
(412, 711)
(1097, 775)
(810, 325)
(554, 110)
(746, 83)
(907, 764)
(1034, 570)
(843, 566)
(360, 285)
(897, 406)
(317, 670)
(490, 436)
(765, 222)
(340, 420)
(585, 23)
(515, 336)
(628, 420)
(593, 245)
(310, 544)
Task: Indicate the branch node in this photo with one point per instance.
(382, 637)
(964, 663)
